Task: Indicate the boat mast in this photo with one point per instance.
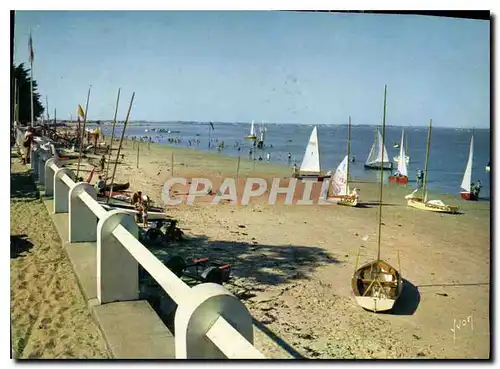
(427, 158)
(348, 154)
(381, 176)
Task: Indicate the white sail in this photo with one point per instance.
(310, 163)
(372, 156)
(382, 151)
(252, 129)
(468, 169)
(339, 180)
(402, 169)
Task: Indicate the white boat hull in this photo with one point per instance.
(375, 304)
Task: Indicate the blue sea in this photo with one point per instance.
(447, 160)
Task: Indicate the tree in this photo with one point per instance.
(21, 74)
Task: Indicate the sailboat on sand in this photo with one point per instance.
(252, 135)
(466, 192)
(338, 191)
(378, 158)
(401, 176)
(422, 203)
(310, 167)
(377, 285)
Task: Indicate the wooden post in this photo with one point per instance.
(83, 133)
(112, 134)
(172, 163)
(138, 145)
(120, 146)
(238, 172)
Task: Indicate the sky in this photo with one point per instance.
(282, 67)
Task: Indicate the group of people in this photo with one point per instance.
(141, 204)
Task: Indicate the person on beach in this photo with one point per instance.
(294, 168)
(28, 142)
(268, 156)
(353, 159)
(100, 185)
(420, 178)
(475, 188)
(102, 162)
(142, 208)
(135, 197)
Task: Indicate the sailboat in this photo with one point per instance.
(396, 158)
(377, 158)
(252, 135)
(340, 180)
(377, 285)
(401, 176)
(466, 192)
(421, 203)
(310, 167)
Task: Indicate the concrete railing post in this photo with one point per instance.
(41, 167)
(34, 158)
(49, 176)
(198, 312)
(82, 220)
(61, 190)
(117, 269)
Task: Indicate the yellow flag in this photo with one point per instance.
(80, 112)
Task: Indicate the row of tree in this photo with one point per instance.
(22, 89)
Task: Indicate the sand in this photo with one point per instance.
(49, 317)
(292, 264)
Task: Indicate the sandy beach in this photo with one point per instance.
(292, 265)
(49, 317)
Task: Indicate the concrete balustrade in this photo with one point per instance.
(51, 165)
(63, 181)
(210, 322)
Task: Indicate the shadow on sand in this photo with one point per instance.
(18, 245)
(409, 300)
(257, 264)
(22, 187)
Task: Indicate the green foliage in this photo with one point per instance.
(23, 90)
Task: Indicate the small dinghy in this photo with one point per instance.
(377, 285)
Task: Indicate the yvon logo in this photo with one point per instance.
(462, 324)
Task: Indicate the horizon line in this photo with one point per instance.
(272, 123)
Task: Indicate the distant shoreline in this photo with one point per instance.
(109, 122)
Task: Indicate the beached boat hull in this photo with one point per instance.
(117, 187)
(250, 137)
(469, 196)
(344, 200)
(152, 215)
(319, 177)
(400, 180)
(418, 203)
(122, 204)
(377, 286)
(378, 166)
